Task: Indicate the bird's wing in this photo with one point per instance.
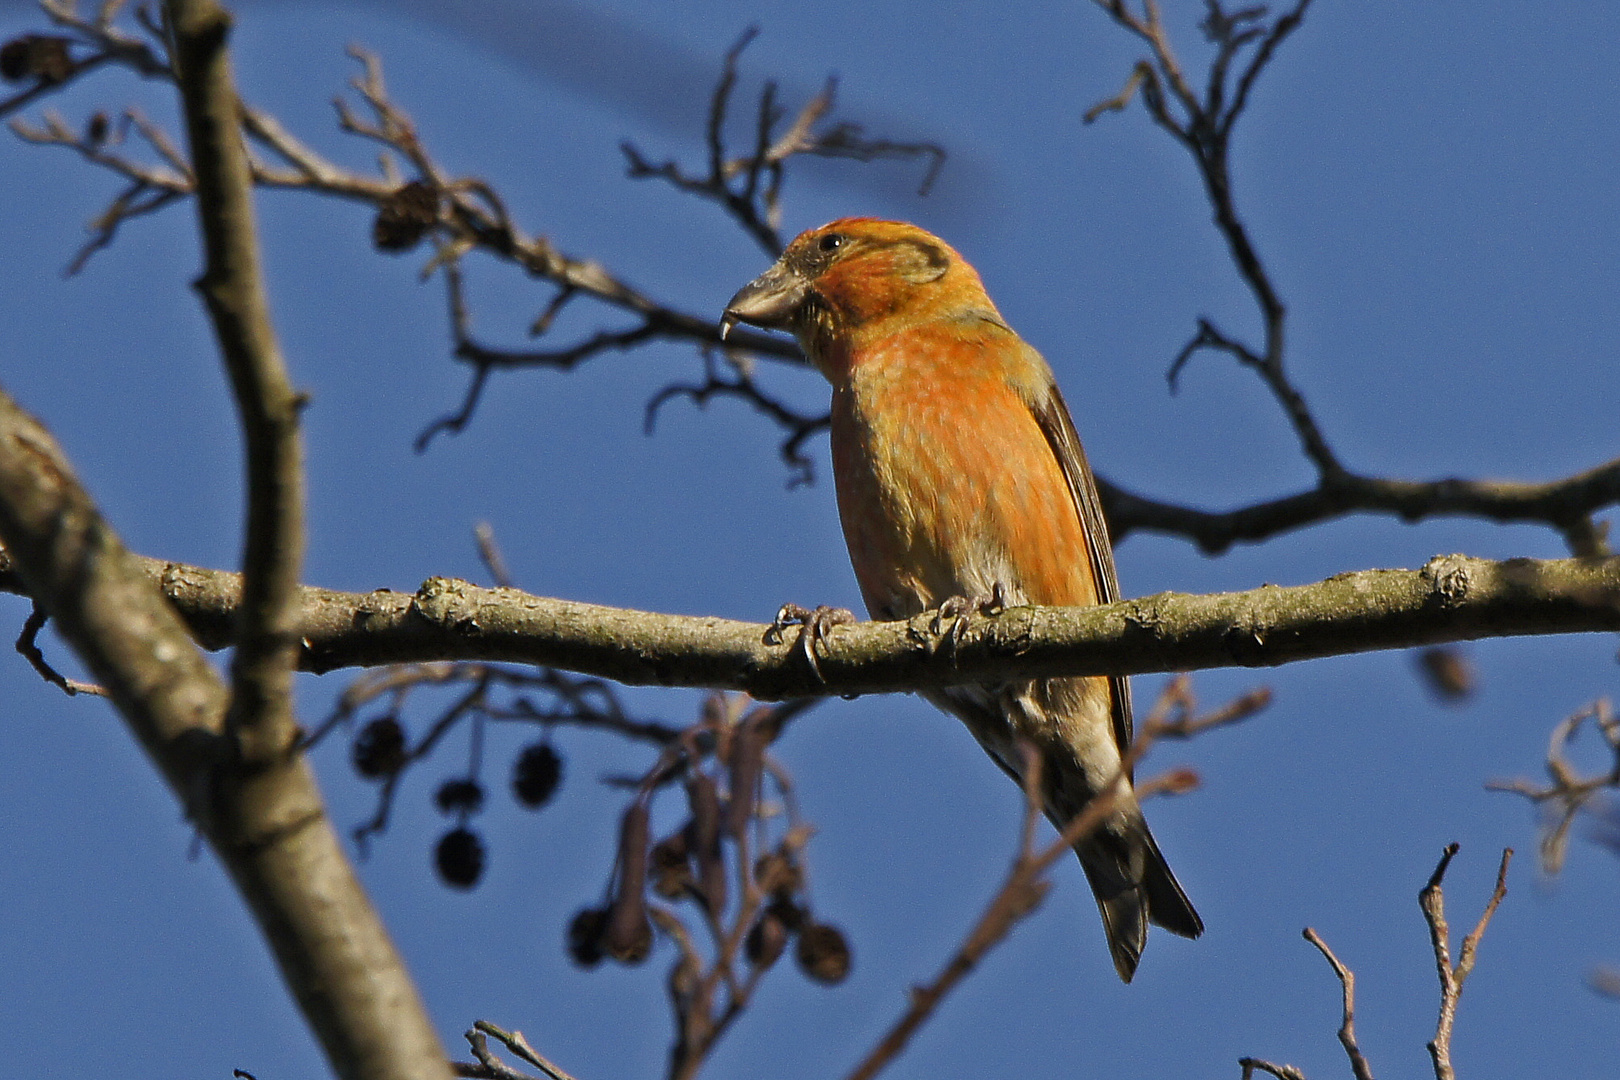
(1053, 417)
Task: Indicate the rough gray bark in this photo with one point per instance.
(1452, 598)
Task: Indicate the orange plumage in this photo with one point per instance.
(960, 478)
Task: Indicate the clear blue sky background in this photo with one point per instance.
(1433, 186)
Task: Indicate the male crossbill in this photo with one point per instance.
(961, 482)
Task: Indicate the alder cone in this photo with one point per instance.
(767, 940)
(459, 797)
(460, 858)
(823, 954)
(585, 937)
(536, 775)
(379, 750)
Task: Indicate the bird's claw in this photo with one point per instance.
(814, 626)
(956, 609)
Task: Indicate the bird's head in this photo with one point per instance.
(855, 280)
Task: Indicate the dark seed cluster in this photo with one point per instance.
(381, 750)
(405, 217)
(43, 58)
(698, 864)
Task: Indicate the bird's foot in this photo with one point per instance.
(950, 620)
(814, 626)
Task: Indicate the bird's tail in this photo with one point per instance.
(1134, 886)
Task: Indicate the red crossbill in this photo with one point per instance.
(961, 482)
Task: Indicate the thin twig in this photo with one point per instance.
(1282, 1072)
(740, 383)
(28, 646)
(1569, 793)
(517, 1044)
(1452, 977)
(1347, 1027)
(735, 183)
(1026, 886)
(489, 553)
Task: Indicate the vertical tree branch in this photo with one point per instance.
(1432, 901)
(232, 758)
(265, 821)
(232, 286)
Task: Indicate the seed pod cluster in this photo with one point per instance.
(725, 768)
(405, 216)
(766, 939)
(459, 798)
(823, 953)
(672, 866)
(629, 934)
(623, 929)
(703, 835)
(378, 751)
(42, 57)
(585, 936)
(459, 857)
(536, 775)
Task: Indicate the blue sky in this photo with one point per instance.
(1432, 187)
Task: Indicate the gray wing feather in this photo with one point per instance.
(1053, 417)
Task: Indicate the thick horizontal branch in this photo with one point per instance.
(1564, 503)
(1452, 598)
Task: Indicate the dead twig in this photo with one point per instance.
(55, 62)
(1252, 1065)
(1570, 792)
(1026, 885)
(749, 188)
(28, 646)
(1347, 1026)
(1452, 977)
(1246, 41)
(491, 1067)
(738, 382)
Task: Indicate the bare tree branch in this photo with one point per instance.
(260, 718)
(491, 1067)
(1026, 885)
(1570, 792)
(1565, 505)
(1251, 1065)
(756, 204)
(740, 383)
(1432, 901)
(1204, 128)
(1452, 977)
(266, 824)
(1452, 598)
(28, 647)
(50, 61)
(231, 757)
(467, 216)
(1203, 125)
(1347, 1025)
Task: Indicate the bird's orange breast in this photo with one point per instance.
(946, 484)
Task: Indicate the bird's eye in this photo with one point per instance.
(832, 242)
